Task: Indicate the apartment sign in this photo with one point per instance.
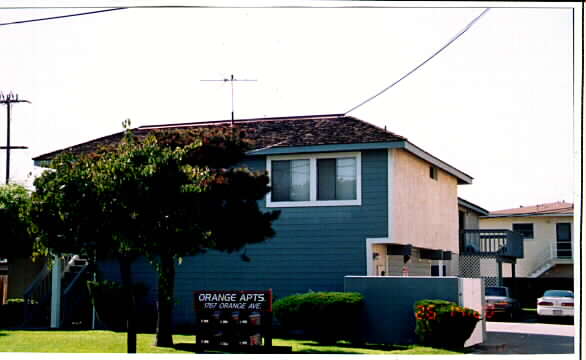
(233, 300)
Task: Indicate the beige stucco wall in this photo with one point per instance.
(535, 250)
(424, 211)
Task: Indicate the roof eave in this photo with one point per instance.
(462, 177)
(467, 204)
(494, 216)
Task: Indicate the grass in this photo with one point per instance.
(98, 341)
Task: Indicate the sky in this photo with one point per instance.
(499, 103)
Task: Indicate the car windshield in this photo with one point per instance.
(495, 291)
(559, 293)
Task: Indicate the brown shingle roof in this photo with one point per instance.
(269, 132)
(559, 207)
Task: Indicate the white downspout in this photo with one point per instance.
(56, 293)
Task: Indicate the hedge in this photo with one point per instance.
(323, 316)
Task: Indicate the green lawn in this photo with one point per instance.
(96, 341)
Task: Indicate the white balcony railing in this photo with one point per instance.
(547, 258)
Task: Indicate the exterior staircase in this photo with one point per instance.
(75, 302)
(547, 259)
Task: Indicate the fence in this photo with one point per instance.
(389, 303)
(3, 289)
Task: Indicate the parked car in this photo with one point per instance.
(500, 303)
(556, 303)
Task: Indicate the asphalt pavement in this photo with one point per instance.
(526, 338)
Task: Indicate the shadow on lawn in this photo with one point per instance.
(317, 348)
(381, 347)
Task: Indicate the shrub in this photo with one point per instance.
(15, 301)
(13, 312)
(108, 298)
(323, 316)
(445, 324)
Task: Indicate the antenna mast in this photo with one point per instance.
(231, 80)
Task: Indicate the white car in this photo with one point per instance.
(556, 303)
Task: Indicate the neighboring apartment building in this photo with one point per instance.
(355, 200)
(547, 233)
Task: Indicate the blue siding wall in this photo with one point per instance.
(388, 316)
(314, 247)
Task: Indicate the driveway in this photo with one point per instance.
(527, 338)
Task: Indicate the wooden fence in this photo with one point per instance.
(3, 289)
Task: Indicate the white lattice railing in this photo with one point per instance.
(544, 258)
(547, 257)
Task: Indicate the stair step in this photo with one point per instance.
(75, 268)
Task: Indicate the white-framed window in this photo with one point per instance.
(325, 179)
(439, 270)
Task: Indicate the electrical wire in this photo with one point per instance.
(423, 63)
(61, 16)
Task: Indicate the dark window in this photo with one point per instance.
(495, 291)
(564, 240)
(435, 270)
(433, 172)
(336, 179)
(290, 180)
(526, 230)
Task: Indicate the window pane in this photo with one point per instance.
(290, 180)
(336, 179)
(526, 230)
(326, 179)
(346, 179)
(281, 180)
(299, 180)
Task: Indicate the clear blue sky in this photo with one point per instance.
(496, 104)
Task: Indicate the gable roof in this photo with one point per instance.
(293, 134)
(472, 207)
(549, 209)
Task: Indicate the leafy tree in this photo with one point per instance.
(68, 217)
(15, 202)
(170, 195)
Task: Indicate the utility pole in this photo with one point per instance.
(231, 80)
(8, 100)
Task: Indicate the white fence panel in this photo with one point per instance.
(471, 295)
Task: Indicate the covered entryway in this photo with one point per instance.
(385, 258)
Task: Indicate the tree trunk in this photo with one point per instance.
(165, 304)
(125, 272)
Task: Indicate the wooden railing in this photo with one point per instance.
(38, 295)
(493, 242)
(37, 298)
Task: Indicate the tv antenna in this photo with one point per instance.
(8, 100)
(231, 80)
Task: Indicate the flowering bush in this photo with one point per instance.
(445, 324)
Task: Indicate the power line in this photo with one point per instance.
(423, 63)
(61, 16)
